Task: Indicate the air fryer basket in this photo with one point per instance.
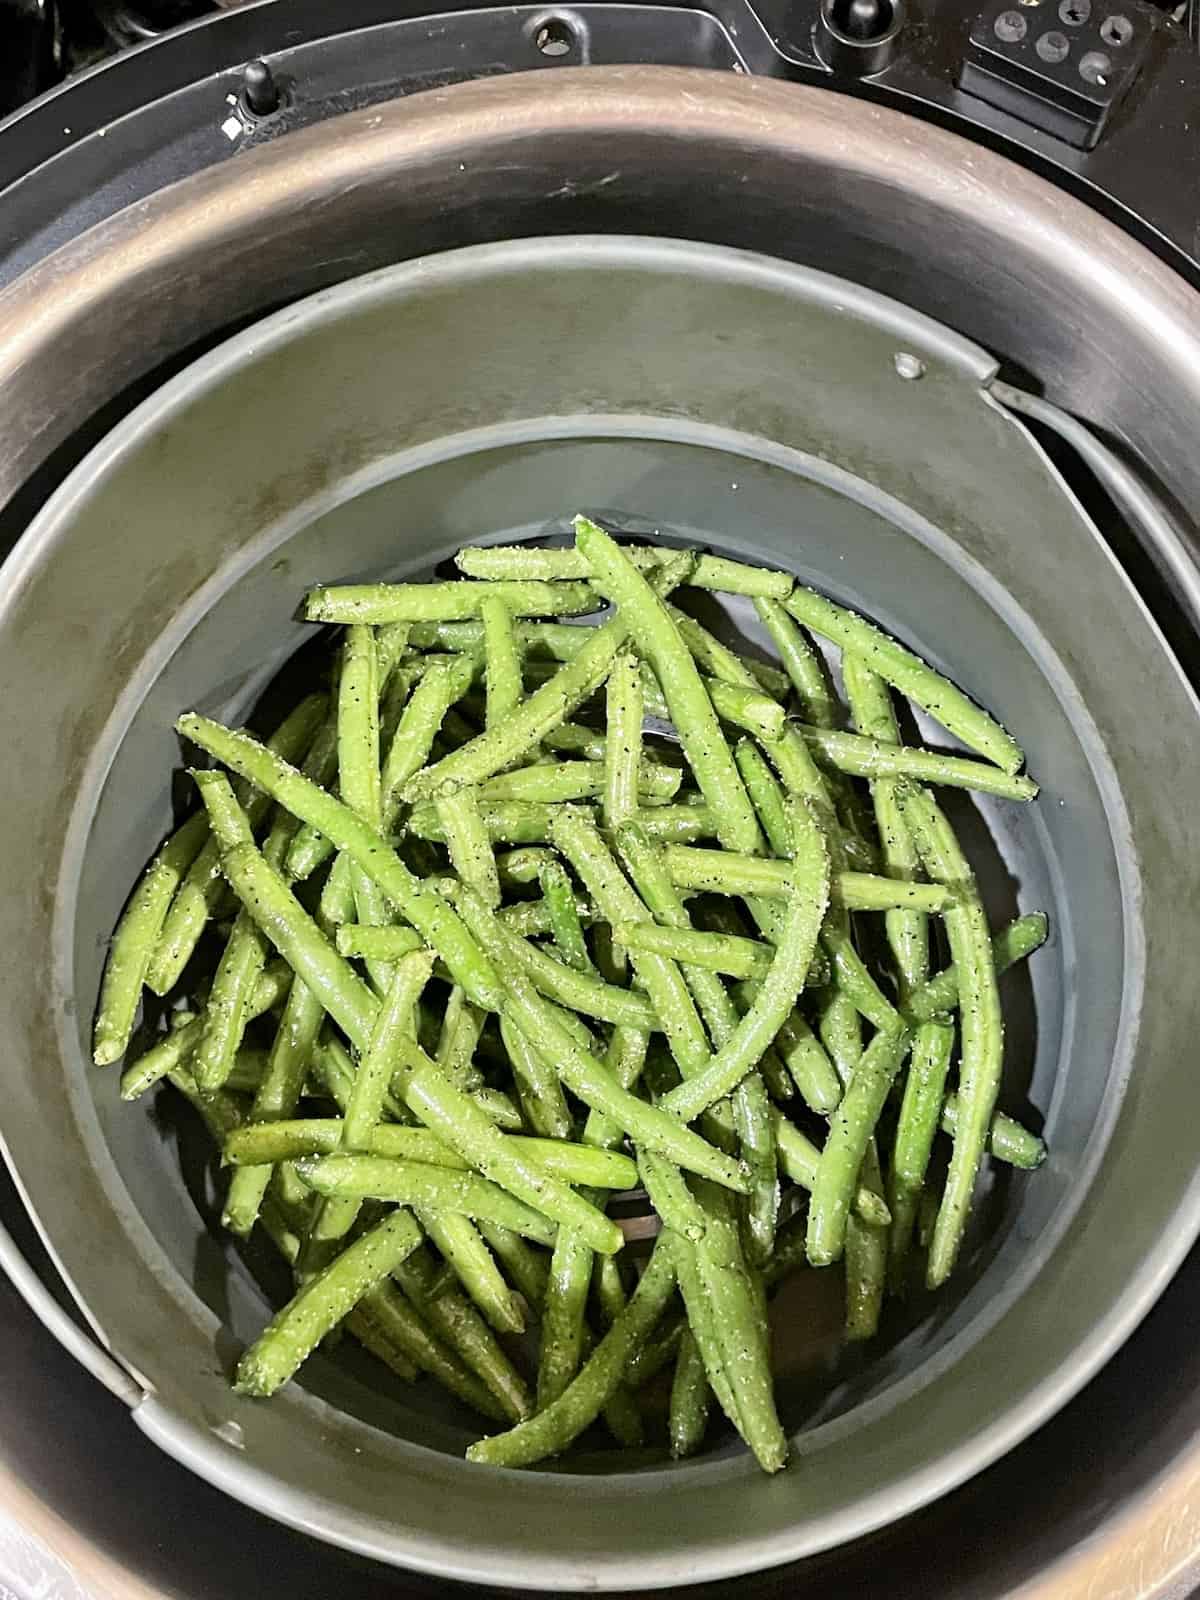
(752, 406)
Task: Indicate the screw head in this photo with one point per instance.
(1096, 68)
(1053, 47)
(1074, 12)
(1010, 27)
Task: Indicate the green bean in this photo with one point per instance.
(134, 942)
(907, 931)
(850, 1131)
(866, 1260)
(856, 983)
(409, 1343)
(543, 710)
(718, 661)
(528, 1268)
(809, 1065)
(358, 771)
(798, 1160)
(671, 1197)
(840, 1028)
(225, 1012)
(358, 724)
(727, 872)
(371, 1082)
(458, 1039)
(658, 1351)
(1007, 1140)
(906, 672)
(379, 943)
(583, 991)
(538, 561)
(502, 657)
(553, 1429)
(701, 1320)
(563, 1311)
(558, 896)
(322, 1303)
(766, 796)
(200, 889)
(443, 684)
(576, 740)
(609, 1287)
(443, 602)
(429, 913)
(716, 952)
(564, 1330)
(775, 999)
(306, 849)
(688, 1417)
(749, 1105)
(920, 1113)
(681, 824)
(528, 918)
(371, 1335)
(454, 1319)
(461, 1125)
(790, 1254)
(561, 642)
(537, 1084)
(385, 1309)
(580, 780)
(658, 640)
(982, 1023)
(499, 1108)
(740, 1328)
(623, 750)
(577, 836)
(520, 822)
(867, 891)
(301, 943)
(462, 1246)
(176, 1047)
(1017, 940)
(313, 1136)
(593, 1083)
(748, 708)
(334, 1069)
(469, 843)
(801, 662)
(871, 758)
(276, 1097)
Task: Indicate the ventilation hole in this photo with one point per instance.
(555, 37)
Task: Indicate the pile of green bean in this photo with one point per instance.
(524, 914)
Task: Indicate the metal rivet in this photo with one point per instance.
(1116, 31)
(908, 366)
(1096, 68)
(1053, 47)
(259, 89)
(1010, 27)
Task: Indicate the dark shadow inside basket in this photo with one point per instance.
(850, 542)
